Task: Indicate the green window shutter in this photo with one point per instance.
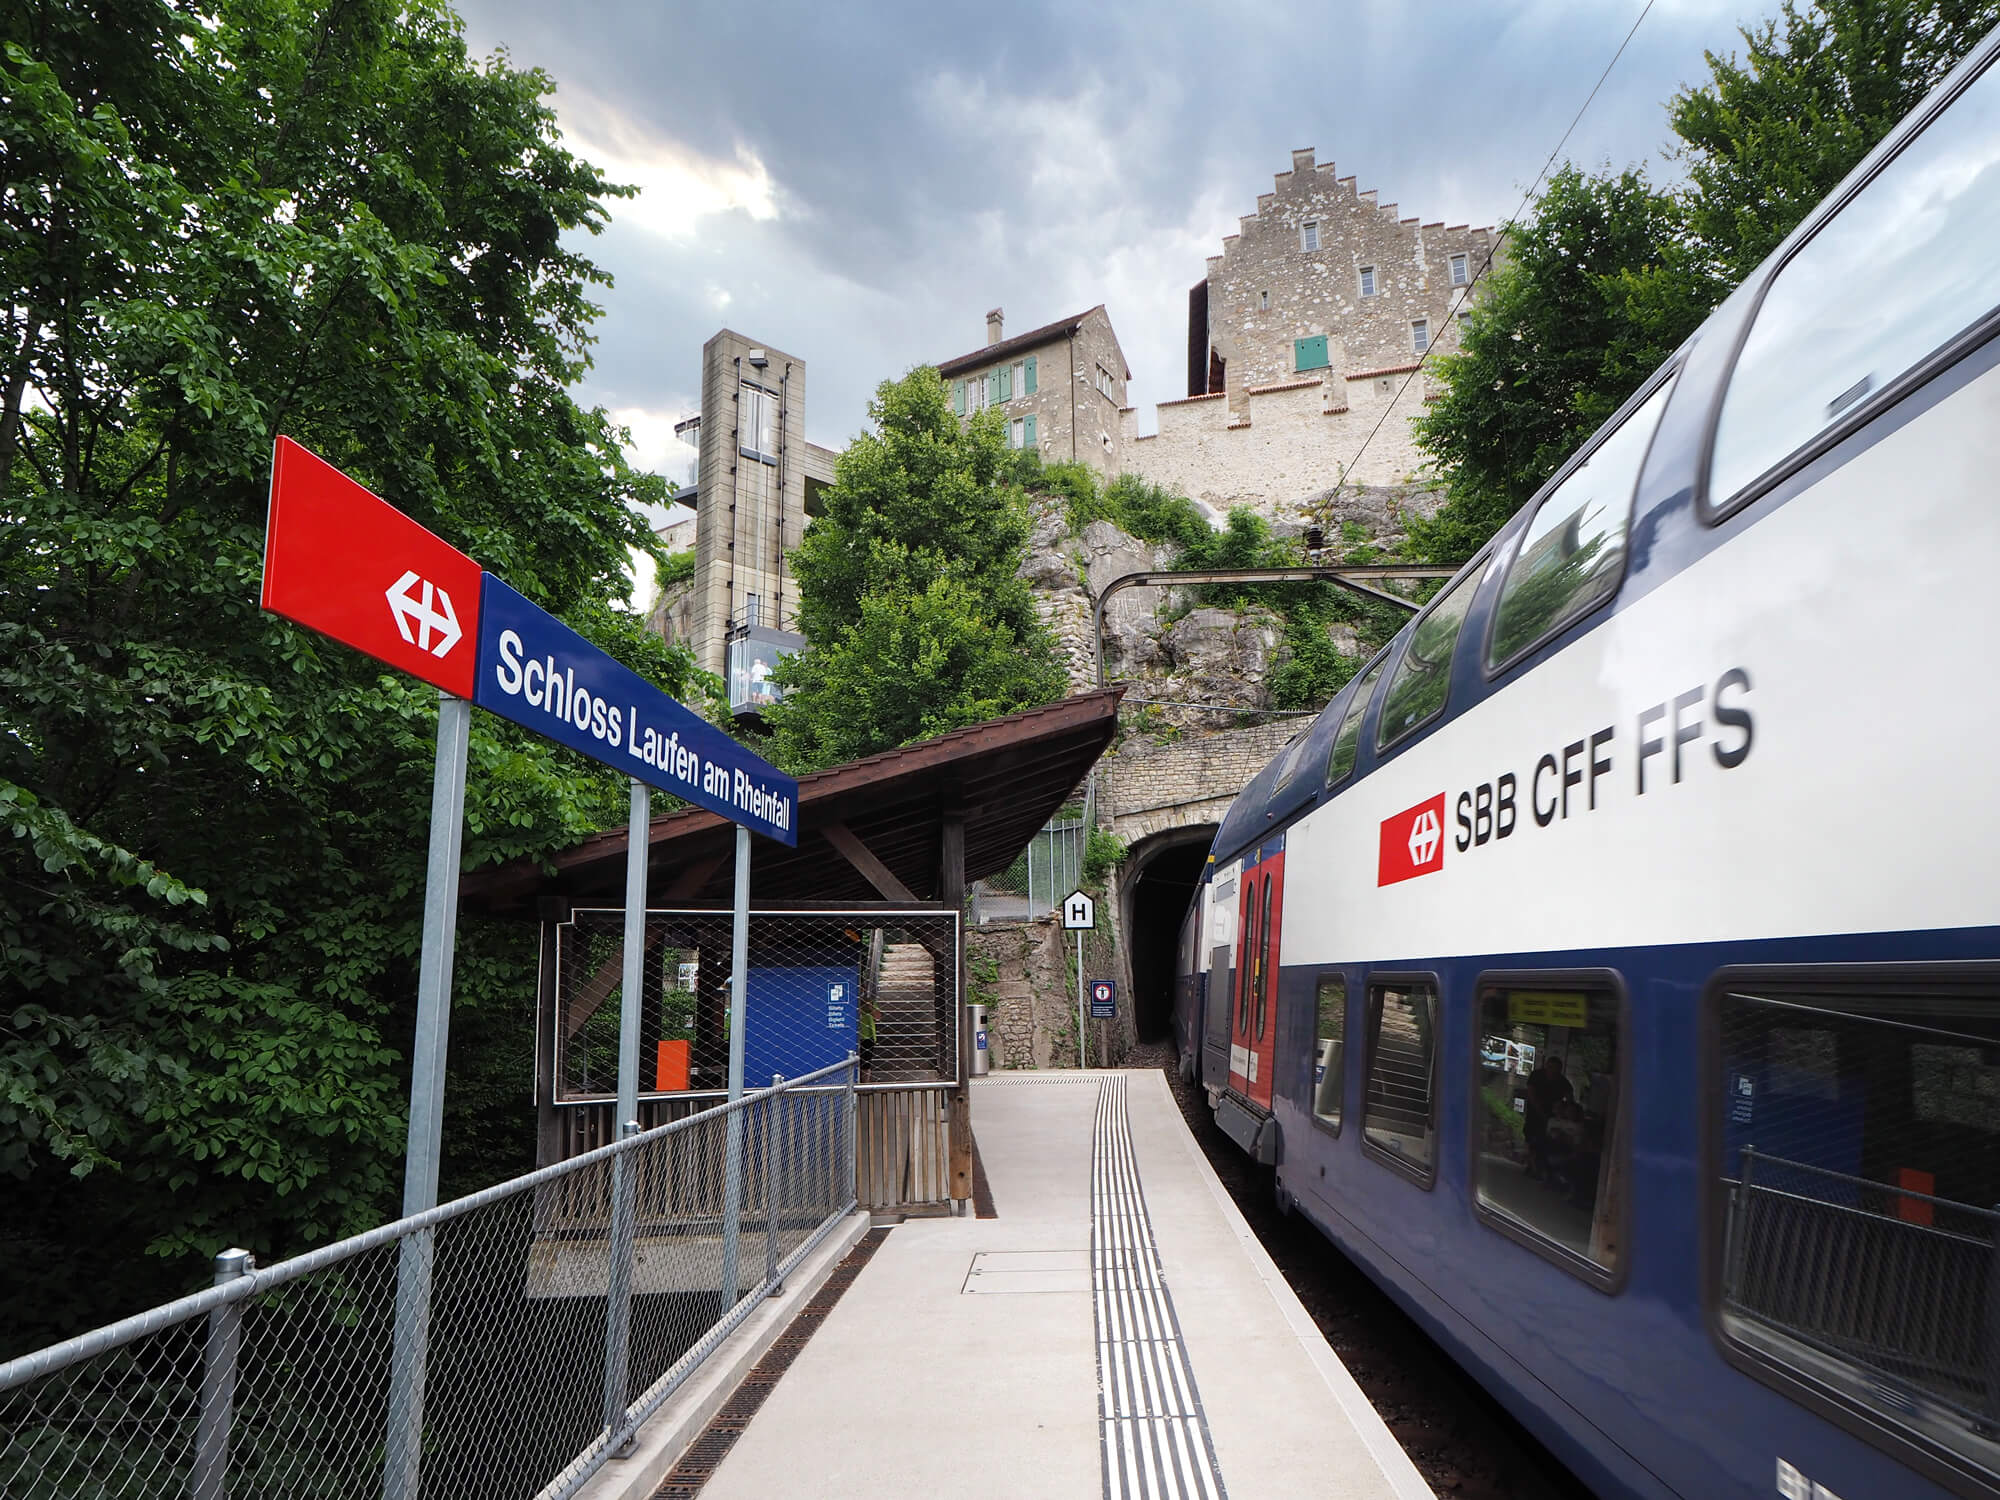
(958, 397)
(1006, 382)
(992, 387)
(1310, 354)
(1028, 377)
(1030, 430)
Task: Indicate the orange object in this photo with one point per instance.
(1915, 1210)
(673, 1068)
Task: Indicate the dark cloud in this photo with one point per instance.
(896, 171)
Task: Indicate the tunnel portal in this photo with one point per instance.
(1160, 879)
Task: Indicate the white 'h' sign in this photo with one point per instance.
(1079, 912)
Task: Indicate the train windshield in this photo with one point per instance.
(1893, 276)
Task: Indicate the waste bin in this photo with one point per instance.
(982, 1059)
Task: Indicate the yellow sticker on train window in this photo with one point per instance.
(1548, 1007)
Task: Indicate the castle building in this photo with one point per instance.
(754, 482)
(1312, 320)
(1062, 387)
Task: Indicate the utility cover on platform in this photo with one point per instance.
(1079, 912)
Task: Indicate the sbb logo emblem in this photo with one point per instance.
(1412, 842)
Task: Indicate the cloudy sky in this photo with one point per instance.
(857, 185)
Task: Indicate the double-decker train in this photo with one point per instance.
(1613, 969)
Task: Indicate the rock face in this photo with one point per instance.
(1153, 638)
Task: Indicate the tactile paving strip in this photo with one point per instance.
(705, 1454)
(1155, 1437)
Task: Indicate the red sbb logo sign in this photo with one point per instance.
(340, 560)
(1412, 843)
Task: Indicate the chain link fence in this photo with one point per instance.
(1035, 884)
(821, 985)
(500, 1346)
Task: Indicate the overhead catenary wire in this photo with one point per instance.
(1492, 248)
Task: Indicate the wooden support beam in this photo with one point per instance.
(951, 891)
(863, 859)
(693, 876)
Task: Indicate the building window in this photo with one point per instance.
(1309, 235)
(1263, 302)
(1548, 1160)
(1458, 276)
(1399, 1111)
(1020, 381)
(1330, 1057)
(1310, 354)
(1017, 431)
(1420, 335)
(1367, 281)
(1104, 381)
(756, 415)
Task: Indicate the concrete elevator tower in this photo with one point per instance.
(750, 505)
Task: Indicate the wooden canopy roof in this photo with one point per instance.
(872, 830)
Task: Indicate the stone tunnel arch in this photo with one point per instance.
(1166, 799)
(1157, 880)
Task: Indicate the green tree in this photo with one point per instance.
(1769, 136)
(217, 225)
(908, 594)
(1594, 292)
(1608, 275)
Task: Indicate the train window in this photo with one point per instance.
(1549, 1154)
(1249, 963)
(1423, 677)
(1340, 761)
(1330, 1055)
(1857, 1190)
(1399, 1112)
(1266, 959)
(1572, 553)
(1289, 766)
(1892, 277)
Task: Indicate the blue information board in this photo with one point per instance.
(1103, 999)
(538, 672)
(797, 1019)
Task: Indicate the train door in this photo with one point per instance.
(1253, 1038)
(1220, 946)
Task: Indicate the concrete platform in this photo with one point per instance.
(965, 1359)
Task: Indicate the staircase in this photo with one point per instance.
(906, 1024)
(1399, 1082)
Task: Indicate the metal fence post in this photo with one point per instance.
(218, 1384)
(618, 1291)
(772, 1163)
(739, 988)
(853, 1127)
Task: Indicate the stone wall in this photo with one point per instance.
(1287, 441)
(1031, 994)
(1147, 787)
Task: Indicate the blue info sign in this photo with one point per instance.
(538, 672)
(1103, 999)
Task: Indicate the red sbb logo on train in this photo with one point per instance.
(1412, 842)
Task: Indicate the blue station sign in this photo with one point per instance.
(538, 672)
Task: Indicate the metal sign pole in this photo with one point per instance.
(624, 1167)
(1082, 1049)
(739, 983)
(408, 1357)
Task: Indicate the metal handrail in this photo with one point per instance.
(1346, 578)
(130, 1330)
